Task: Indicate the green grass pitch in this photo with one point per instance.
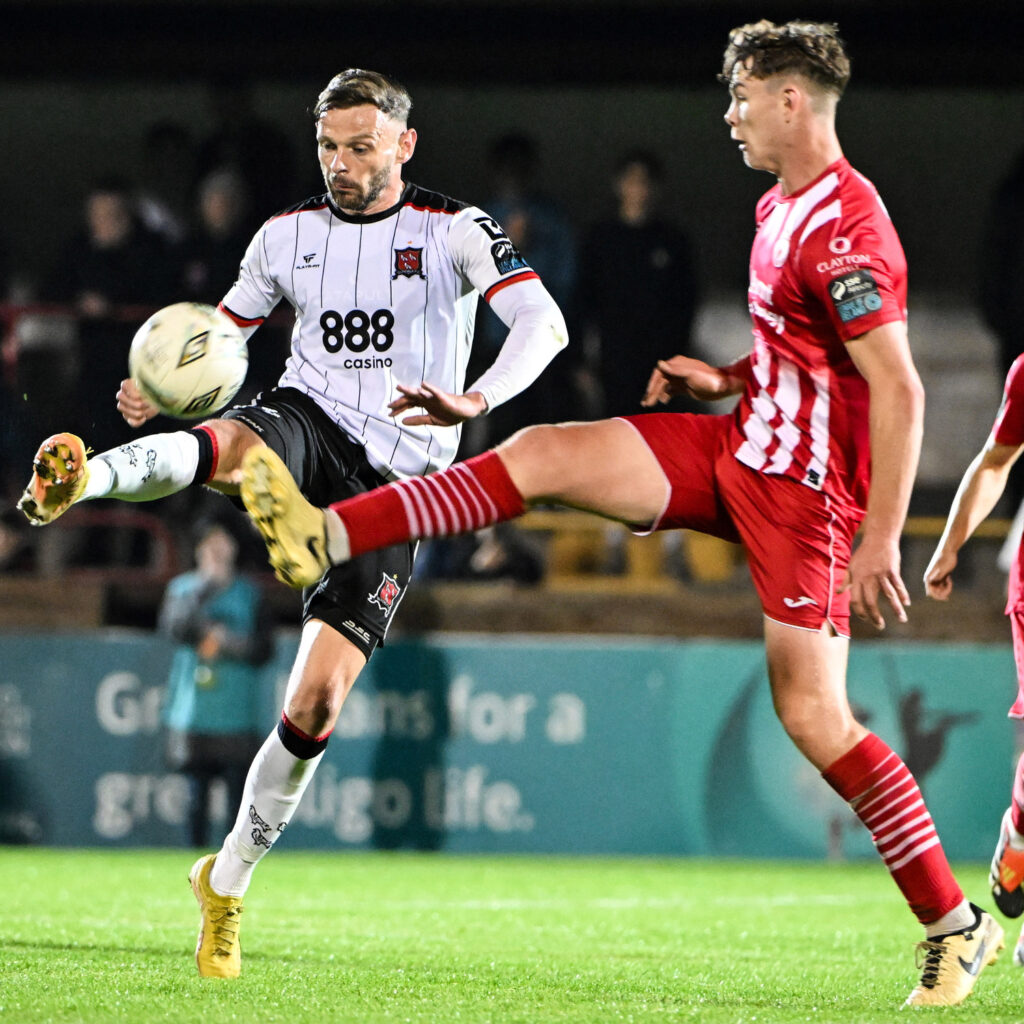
(98, 936)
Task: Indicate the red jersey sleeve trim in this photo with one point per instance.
(241, 321)
(526, 275)
(431, 209)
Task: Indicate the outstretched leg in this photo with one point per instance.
(142, 470)
(603, 467)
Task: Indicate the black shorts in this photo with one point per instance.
(357, 598)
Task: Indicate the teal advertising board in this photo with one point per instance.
(482, 744)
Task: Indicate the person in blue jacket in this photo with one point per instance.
(224, 636)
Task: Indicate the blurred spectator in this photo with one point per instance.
(164, 197)
(213, 249)
(114, 272)
(224, 636)
(538, 226)
(256, 149)
(114, 260)
(637, 290)
(210, 259)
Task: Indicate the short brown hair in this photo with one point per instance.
(354, 87)
(809, 48)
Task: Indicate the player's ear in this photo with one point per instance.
(793, 99)
(406, 145)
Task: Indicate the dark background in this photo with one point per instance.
(902, 43)
(934, 114)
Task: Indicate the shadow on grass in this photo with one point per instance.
(137, 949)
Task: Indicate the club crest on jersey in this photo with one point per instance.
(387, 593)
(408, 263)
(194, 348)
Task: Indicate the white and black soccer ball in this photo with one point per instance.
(189, 360)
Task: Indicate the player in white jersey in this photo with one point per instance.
(384, 279)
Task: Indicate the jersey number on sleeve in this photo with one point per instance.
(357, 330)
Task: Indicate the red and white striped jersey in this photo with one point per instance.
(826, 267)
(380, 299)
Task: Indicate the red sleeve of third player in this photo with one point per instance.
(1009, 425)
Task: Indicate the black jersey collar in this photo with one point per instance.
(354, 218)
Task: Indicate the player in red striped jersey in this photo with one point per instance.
(384, 278)
(824, 440)
(983, 483)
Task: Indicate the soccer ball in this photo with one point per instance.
(188, 359)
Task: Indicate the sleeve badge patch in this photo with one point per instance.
(855, 295)
(507, 257)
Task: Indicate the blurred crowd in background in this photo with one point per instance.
(627, 282)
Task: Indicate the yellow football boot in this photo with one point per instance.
(218, 951)
(294, 530)
(951, 963)
(59, 474)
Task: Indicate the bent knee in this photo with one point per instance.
(821, 735)
(233, 439)
(315, 709)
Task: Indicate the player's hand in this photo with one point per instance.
(440, 409)
(682, 375)
(132, 406)
(872, 576)
(938, 577)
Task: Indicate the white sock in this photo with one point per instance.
(273, 789)
(960, 917)
(338, 549)
(151, 467)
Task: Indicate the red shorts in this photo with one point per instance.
(798, 541)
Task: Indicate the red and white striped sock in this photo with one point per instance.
(876, 783)
(465, 497)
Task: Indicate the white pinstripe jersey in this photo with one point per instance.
(826, 266)
(381, 299)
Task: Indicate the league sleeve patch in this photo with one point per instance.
(855, 294)
(507, 257)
